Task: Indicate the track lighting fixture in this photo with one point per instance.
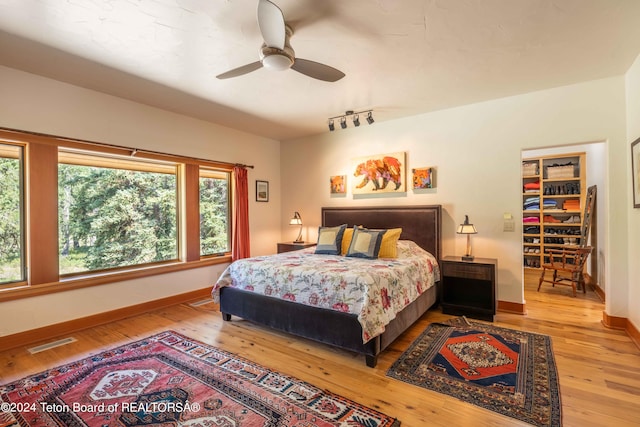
(355, 118)
(370, 118)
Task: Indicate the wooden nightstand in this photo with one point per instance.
(469, 287)
(291, 246)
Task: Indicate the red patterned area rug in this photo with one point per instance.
(507, 371)
(171, 380)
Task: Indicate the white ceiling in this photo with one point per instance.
(400, 57)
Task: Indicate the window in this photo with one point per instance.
(115, 212)
(12, 265)
(214, 212)
(77, 213)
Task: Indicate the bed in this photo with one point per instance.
(420, 224)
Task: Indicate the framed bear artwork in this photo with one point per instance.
(383, 173)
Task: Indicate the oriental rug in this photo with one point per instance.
(504, 370)
(171, 380)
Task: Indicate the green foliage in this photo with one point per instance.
(10, 235)
(214, 220)
(118, 217)
(73, 262)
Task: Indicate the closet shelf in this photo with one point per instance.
(544, 198)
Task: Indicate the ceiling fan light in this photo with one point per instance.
(277, 62)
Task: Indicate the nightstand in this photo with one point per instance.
(469, 287)
(292, 246)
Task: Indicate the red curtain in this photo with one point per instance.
(240, 246)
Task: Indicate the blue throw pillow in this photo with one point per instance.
(330, 240)
(365, 243)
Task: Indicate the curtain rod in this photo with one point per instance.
(133, 151)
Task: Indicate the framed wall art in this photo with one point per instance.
(424, 178)
(383, 173)
(262, 191)
(635, 171)
(338, 184)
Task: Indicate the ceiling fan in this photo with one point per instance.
(276, 52)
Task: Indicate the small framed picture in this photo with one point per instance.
(338, 184)
(635, 171)
(262, 191)
(424, 178)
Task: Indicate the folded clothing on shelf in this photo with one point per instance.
(571, 205)
(532, 203)
(531, 219)
(532, 185)
(531, 230)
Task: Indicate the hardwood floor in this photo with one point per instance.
(598, 367)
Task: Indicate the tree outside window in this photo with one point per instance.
(115, 213)
(11, 215)
(214, 212)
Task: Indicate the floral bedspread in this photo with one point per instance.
(376, 290)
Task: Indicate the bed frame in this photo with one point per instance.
(422, 224)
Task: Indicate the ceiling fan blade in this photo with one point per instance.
(271, 23)
(240, 70)
(317, 70)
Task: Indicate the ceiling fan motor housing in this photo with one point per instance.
(277, 59)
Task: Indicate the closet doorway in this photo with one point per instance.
(555, 182)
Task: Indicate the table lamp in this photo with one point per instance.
(467, 229)
(297, 220)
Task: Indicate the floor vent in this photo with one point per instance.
(53, 344)
(201, 302)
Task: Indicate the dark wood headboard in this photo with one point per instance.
(422, 224)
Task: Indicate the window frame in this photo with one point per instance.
(203, 171)
(40, 160)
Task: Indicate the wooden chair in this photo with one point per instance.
(567, 265)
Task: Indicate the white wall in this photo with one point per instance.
(633, 133)
(477, 150)
(37, 104)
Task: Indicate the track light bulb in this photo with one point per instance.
(356, 120)
(343, 122)
(332, 127)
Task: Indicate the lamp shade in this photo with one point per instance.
(466, 228)
(296, 220)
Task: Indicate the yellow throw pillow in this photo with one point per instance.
(389, 245)
(346, 239)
